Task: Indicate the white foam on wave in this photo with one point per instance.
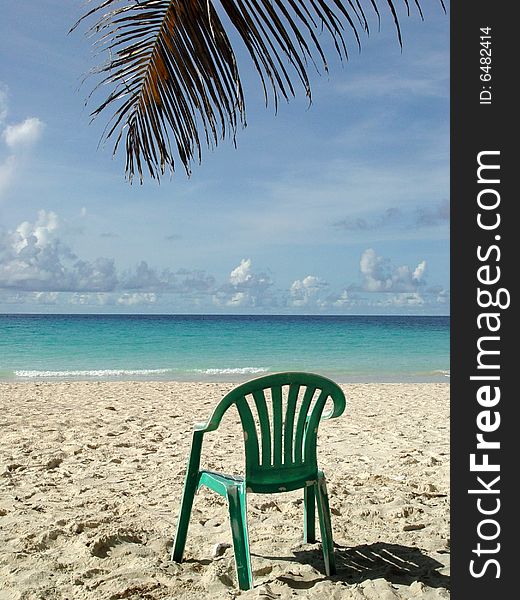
(441, 372)
(91, 373)
(232, 371)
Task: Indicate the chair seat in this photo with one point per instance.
(221, 482)
(282, 479)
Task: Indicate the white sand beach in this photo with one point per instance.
(91, 476)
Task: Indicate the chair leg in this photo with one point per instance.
(309, 515)
(190, 487)
(325, 526)
(238, 517)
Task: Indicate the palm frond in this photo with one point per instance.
(173, 71)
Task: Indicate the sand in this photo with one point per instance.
(91, 476)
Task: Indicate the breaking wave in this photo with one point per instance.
(441, 372)
(90, 373)
(233, 371)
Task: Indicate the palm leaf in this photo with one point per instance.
(173, 71)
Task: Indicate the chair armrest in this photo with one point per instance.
(336, 410)
(214, 421)
(332, 413)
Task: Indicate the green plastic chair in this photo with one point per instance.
(284, 461)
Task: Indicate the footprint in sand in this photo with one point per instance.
(103, 545)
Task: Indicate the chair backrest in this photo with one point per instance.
(280, 415)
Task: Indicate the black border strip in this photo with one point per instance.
(477, 127)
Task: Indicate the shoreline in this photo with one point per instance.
(100, 376)
(91, 475)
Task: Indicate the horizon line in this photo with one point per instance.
(111, 314)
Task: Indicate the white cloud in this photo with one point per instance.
(143, 277)
(344, 299)
(380, 276)
(137, 298)
(411, 299)
(40, 233)
(443, 296)
(183, 281)
(18, 139)
(420, 269)
(34, 258)
(89, 299)
(46, 297)
(100, 274)
(242, 273)
(240, 299)
(38, 267)
(189, 282)
(313, 293)
(306, 291)
(245, 288)
(24, 134)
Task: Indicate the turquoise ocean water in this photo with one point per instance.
(222, 348)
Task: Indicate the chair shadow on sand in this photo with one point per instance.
(397, 564)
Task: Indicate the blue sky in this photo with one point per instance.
(336, 208)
